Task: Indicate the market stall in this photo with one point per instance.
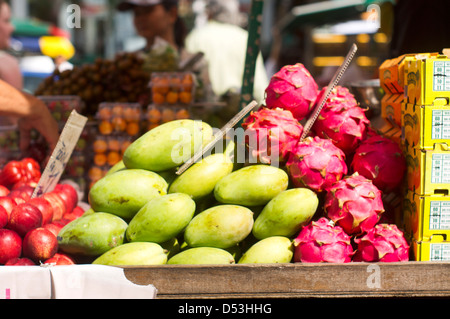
(327, 191)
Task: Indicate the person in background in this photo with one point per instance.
(156, 18)
(9, 66)
(30, 112)
(61, 64)
(224, 44)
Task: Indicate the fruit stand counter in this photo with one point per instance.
(402, 279)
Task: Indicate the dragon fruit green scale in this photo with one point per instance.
(383, 243)
(294, 89)
(354, 203)
(316, 163)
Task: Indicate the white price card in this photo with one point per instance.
(61, 154)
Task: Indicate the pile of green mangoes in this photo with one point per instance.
(216, 212)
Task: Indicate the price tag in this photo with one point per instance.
(61, 154)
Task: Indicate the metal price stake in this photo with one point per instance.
(217, 137)
(61, 154)
(334, 81)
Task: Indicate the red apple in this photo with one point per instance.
(7, 203)
(44, 206)
(60, 259)
(4, 217)
(17, 198)
(78, 211)
(54, 227)
(4, 190)
(69, 195)
(59, 208)
(10, 245)
(25, 217)
(22, 191)
(40, 244)
(20, 262)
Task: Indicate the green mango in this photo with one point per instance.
(286, 213)
(220, 226)
(168, 145)
(161, 219)
(125, 192)
(251, 185)
(276, 249)
(116, 167)
(92, 234)
(202, 255)
(140, 254)
(206, 173)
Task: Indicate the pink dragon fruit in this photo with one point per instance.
(383, 243)
(342, 120)
(354, 203)
(271, 131)
(316, 163)
(381, 160)
(294, 89)
(322, 241)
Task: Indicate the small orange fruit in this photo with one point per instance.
(160, 85)
(95, 173)
(104, 113)
(100, 159)
(172, 97)
(182, 114)
(99, 146)
(168, 115)
(113, 144)
(119, 124)
(132, 128)
(153, 115)
(113, 158)
(185, 97)
(105, 127)
(158, 98)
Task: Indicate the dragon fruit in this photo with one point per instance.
(294, 89)
(354, 203)
(342, 120)
(381, 160)
(316, 163)
(383, 243)
(271, 131)
(322, 241)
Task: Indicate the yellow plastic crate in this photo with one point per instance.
(425, 125)
(427, 78)
(434, 250)
(426, 217)
(428, 171)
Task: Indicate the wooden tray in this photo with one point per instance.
(407, 279)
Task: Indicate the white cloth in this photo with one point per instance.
(225, 47)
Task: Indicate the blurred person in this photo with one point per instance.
(61, 64)
(9, 65)
(156, 18)
(159, 19)
(30, 113)
(224, 44)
